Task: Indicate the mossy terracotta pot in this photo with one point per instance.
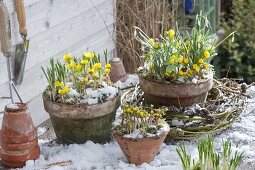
(78, 123)
(18, 137)
(179, 95)
(138, 151)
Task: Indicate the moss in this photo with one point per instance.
(81, 130)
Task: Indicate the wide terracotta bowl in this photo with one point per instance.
(179, 95)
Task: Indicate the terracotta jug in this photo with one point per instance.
(118, 71)
(18, 136)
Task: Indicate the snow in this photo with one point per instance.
(177, 122)
(92, 96)
(12, 106)
(131, 81)
(136, 134)
(109, 156)
(41, 130)
(73, 93)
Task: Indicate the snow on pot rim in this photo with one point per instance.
(91, 96)
(81, 110)
(137, 134)
(195, 80)
(167, 94)
(170, 86)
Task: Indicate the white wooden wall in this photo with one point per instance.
(56, 27)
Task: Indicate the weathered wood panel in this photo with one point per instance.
(56, 27)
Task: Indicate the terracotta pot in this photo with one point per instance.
(18, 137)
(77, 123)
(118, 71)
(138, 151)
(177, 95)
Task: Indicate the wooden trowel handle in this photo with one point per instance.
(5, 29)
(21, 15)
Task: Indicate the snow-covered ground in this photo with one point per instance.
(109, 156)
(131, 81)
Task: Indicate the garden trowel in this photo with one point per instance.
(20, 49)
(6, 45)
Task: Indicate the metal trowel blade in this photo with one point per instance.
(20, 61)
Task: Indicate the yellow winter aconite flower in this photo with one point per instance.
(78, 67)
(196, 67)
(71, 64)
(171, 32)
(89, 55)
(107, 66)
(190, 72)
(134, 109)
(84, 62)
(58, 84)
(171, 61)
(85, 80)
(200, 61)
(64, 90)
(97, 66)
(185, 61)
(94, 75)
(91, 70)
(107, 71)
(156, 46)
(151, 40)
(181, 73)
(168, 73)
(67, 57)
(206, 54)
(205, 66)
(180, 59)
(141, 114)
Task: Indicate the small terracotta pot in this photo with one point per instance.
(138, 151)
(18, 137)
(179, 95)
(118, 71)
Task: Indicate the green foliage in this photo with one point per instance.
(56, 72)
(146, 119)
(177, 57)
(77, 74)
(208, 158)
(237, 59)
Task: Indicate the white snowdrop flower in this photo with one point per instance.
(174, 50)
(233, 38)
(206, 22)
(199, 23)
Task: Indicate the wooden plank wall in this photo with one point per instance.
(56, 27)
